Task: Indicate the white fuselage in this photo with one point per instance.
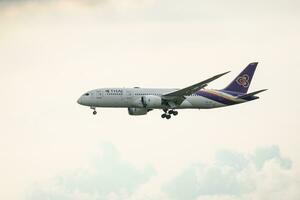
(131, 97)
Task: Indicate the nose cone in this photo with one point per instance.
(79, 101)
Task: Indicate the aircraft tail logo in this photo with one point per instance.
(243, 80)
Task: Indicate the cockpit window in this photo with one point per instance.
(86, 94)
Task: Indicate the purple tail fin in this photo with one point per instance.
(242, 82)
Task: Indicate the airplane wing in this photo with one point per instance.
(178, 96)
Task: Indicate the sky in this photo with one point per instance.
(51, 52)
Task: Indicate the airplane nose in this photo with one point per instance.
(79, 101)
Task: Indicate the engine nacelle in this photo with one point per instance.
(151, 101)
(137, 111)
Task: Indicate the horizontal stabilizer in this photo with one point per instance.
(251, 94)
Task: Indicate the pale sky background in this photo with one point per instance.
(53, 51)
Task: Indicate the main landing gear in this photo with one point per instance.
(168, 114)
(94, 110)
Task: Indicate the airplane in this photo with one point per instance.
(139, 101)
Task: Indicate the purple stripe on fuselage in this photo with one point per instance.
(216, 98)
(235, 94)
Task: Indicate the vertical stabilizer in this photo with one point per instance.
(242, 82)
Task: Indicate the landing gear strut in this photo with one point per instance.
(168, 113)
(94, 110)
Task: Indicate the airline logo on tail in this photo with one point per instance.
(243, 80)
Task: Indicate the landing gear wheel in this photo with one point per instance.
(94, 110)
(163, 115)
(175, 113)
(168, 116)
(171, 112)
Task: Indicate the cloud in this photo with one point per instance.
(150, 10)
(45, 1)
(265, 174)
(25, 8)
(15, 3)
(108, 177)
(262, 175)
(261, 156)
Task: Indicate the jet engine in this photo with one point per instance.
(137, 111)
(151, 101)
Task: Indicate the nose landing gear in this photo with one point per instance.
(94, 110)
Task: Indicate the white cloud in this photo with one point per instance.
(32, 4)
(262, 175)
(233, 176)
(108, 177)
